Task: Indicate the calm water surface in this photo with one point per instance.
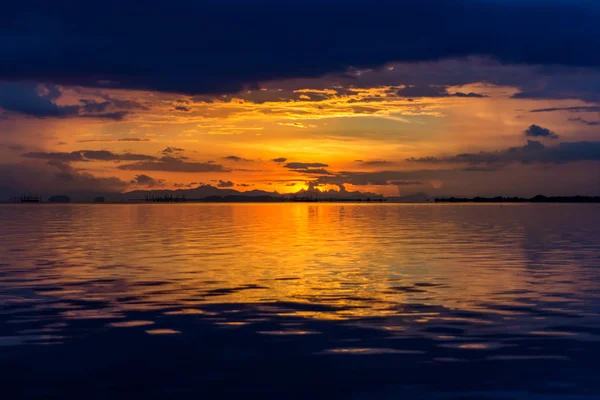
(300, 301)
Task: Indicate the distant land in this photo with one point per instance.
(209, 193)
(536, 199)
(213, 194)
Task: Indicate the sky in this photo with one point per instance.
(444, 97)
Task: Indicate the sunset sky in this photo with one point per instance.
(488, 97)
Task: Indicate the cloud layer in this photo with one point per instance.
(88, 155)
(172, 164)
(532, 152)
(40, 101)
(157, 48)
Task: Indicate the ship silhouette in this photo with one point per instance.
(25, 198)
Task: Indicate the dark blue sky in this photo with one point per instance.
(220, 46)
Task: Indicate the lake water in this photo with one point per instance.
(300, 301)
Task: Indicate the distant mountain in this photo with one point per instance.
(212, 193)
(209, 193)
(242, 199)
(199, 193)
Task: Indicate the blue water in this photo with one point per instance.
(433, 301)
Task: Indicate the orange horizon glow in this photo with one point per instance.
(346, 128)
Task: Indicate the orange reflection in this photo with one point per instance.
(342, 261)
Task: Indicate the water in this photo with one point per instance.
(300, 301)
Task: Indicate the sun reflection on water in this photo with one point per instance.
(347, 262)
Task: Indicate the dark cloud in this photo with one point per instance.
(105, 155)
(244, 184)
(532, 152)
(312, 171)
(93, 106)
(172, 164)
(183, 108)
(574, 84)
(225, 184)
(374, 162)
(557, 82)
(569, 109)
(476, 168)
(470, 94)
(58, 156)
(538, 131)
(39, 101)
(175, 153)
(13, 146)
(69, 174)
(585, 122)
(158, 47)
(88, 155)
(433, 91)
(148, 181)
(404, 183)
(299, 165)
(235, 158)
(514, 179)
(121, 103)
(532, 81)
(379, 178)
(279, 160)
(273, 95)
(171, 150)
(308, 168)
(34, 100)
(133, 139)
(115, 116)
(54, 177)
(187, 185)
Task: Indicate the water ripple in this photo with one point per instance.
(508, 297)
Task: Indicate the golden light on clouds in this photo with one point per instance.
(327, 121)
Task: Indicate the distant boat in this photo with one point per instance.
(26, 199)
(30, 200)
